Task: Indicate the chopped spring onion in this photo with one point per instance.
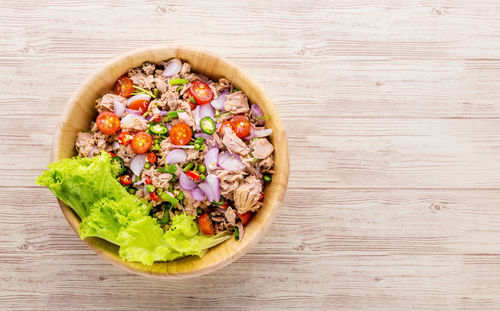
(267, 178)
(188, 166)
(236, 233)
(178, 81)
(140, 90)
(150, 188)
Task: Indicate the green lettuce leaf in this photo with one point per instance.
(108, 211)
(80, 182)
(184, 236)
(143, 241)
(107, 217)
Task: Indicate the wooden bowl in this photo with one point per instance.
(80, 111)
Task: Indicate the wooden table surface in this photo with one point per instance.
(393, 115)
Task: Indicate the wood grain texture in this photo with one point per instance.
(392, 113)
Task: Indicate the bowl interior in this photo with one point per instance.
(80, 111)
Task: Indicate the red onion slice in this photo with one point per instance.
(230, 162)
(172, 67)
(92, 151)
(130, 118)
(132, 111)
(251, 135)
(137, 163)
(176, 156)
(186, 183)
(196, 114)
(197, 194)
(257, 113)
(211, 158)
(138, 97)
(115, 145)
(213, 182)
(137, 184)
(205, 136)
(263, 132)
(206, 111)
(183, 146)
(207, 190)
(218, 102)
(118, 108)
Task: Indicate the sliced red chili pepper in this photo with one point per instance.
(125, 180)
(261, 197)
(245, 217)
(111, 154)
(147, 181)
(153, 196)
(156, 119)
(194, 175)
(124, 138)
(151, 157)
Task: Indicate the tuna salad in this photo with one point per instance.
(184, 144)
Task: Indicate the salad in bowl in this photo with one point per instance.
(174, 164)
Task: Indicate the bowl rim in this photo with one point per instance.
(98, 245)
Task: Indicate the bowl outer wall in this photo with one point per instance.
(80, 111)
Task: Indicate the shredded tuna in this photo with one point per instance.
(134, 125)
(106, 103)
(229, 180)
(126, 153)
(161, 83)
(247, 195)
(148, 68)
(267, 164)
(230, 216)
(186, 118)
(236, 102)
(233, 143)
(222, 85)
(141, 79)
(84, 144)
(262, 148)
(159, 180)
(186, 67)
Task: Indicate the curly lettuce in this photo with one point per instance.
(108, 211)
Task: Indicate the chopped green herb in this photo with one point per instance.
(221, 202)
(192, 100)
(178, 88)
(263, 118)
(155, 92)
(150, 188)
(202, 168)
(147, 165)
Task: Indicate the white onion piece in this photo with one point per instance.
(208, 191)
(183, 146)
(138, 97)
(186, 183)
(211, 158)
(172, 68)
(176, 156)
(263, 132)
(206, 111)
(137, 163)
(230, 162)
(213, 182)
(251, 135)
(115, 145)
(118, 108)
(130, 118)
(197, 194)
(257, 113)
(218, 102)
